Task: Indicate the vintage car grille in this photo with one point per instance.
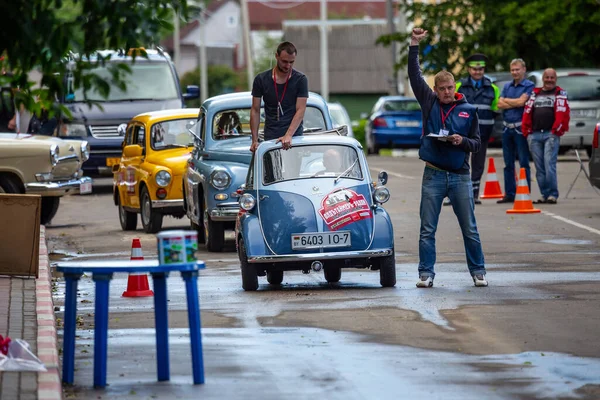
(104, 131)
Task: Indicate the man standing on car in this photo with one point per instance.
(455, 127)
(483, 94)
(284, 92)
(545, 120)
(514, 145)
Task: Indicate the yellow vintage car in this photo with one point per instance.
(147, 180)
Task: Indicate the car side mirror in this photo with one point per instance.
(382, 177)
(133, 150)
(191, 92)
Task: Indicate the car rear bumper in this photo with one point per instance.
(320, 256)
(57, 188)
(398, 138)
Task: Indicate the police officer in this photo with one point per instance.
(483, 94)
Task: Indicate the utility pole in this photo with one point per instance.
(202, 57)
(176, 44)
(246, 38)
(392, 30)
(324, 55)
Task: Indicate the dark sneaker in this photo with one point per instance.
(447, 202)
(506, 200)
(541, 200)
(477, 201)
(425, 282)
(551, 200)
(479, 280)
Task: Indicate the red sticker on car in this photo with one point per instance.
(463, 114)
(343, 207)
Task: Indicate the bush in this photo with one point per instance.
(221, 79)
(358, 127)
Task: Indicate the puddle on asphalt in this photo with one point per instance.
(568, 241)
(308, 363)
(63, 255)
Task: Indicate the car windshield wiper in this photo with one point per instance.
(175, 145)
(346, 171)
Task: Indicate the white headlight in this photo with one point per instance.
(247, 201)
(381, 195)
(85, 151)
(54, 152)
(77, 130)
(163, 178)
(220, 179)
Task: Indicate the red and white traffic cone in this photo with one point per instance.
(137, 284)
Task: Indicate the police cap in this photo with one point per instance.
(477, 60)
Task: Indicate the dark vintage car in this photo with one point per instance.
(395, 121)
(313, 207)
(220, 159)
(594, 164)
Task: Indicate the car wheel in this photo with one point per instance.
(151, 220)
(369, 141)
(249, 276)
(387, 270)
(332, 274)
(275, 277)
(127, 219)
(49, 209)
(7, 185)
(589, 151)
(562, 150)
(214, 234)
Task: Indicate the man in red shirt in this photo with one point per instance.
(545, 120)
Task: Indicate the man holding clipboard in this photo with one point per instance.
(450, 135)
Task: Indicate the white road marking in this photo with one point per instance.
(568, 221)
(393, 173)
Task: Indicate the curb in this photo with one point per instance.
(49, 384)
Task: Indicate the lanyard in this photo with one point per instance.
(444, 117)
(279, 108)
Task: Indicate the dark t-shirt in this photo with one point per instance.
(263, 86)
(543, 111)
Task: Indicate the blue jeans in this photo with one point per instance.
(514, 145)
(436, 186)
(544, 150)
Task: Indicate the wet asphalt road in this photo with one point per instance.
(531, 334)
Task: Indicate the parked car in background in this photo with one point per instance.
(44, 165)
(152, 85)
(147, 179)
(313, 207)
(395, 121)
(583, 91)
(220, 159)
(340, 117)
(594, 164)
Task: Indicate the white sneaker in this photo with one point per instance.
(425, 282)
(479, 280)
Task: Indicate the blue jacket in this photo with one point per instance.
(484, 99)
(462, 120)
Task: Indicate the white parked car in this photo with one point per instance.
(340, 117)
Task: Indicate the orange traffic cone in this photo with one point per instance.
(523, 203)
(492, 186)
(137, 284)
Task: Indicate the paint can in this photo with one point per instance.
(191, 246)
(171, 247)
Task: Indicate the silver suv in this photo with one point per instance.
(583, 91)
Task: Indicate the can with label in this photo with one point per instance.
(191, 246)
(171, 247)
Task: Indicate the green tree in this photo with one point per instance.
(221, 79)
(546, 33)
(42, 34)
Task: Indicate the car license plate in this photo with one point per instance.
(85, 188)
(321, 240)
(407, 124)
(110, 161)
(586, 113)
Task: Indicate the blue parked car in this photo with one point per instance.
(395, 121)
(220, 159)
(313, 207)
